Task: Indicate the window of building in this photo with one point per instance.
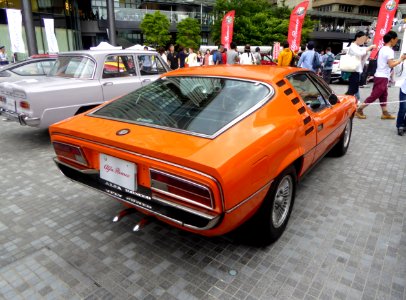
(325, 8)
(346, 8)
(369, 10)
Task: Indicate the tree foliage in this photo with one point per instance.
(256, 22)
(155, 28)
(189, 32)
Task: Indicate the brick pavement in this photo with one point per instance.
(346, 238)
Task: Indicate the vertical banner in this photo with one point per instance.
(384, 24)
(295, 25)
(15, 30)
(227, 29)
(276, 50)
(50, 34)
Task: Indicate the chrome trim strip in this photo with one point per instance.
(177, 196)
(84, 171)
(73, 146)
(153, 159)
(213, 219)
(184, 208)
(249, 198)
(261, 103)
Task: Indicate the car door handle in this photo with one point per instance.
(107, 83)
(320, 127)
(146, 80)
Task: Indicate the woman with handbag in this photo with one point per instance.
(353, 62)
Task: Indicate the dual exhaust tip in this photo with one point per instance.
(128, 211)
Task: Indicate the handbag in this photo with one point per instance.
(349, 63)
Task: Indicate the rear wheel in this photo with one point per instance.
(341, 147)
(270, 221)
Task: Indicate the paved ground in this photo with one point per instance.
(346, 238)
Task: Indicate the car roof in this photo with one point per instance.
(251, 72)
(99, 53)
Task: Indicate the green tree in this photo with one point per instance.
(189, 32)
(155, 28)
(256, 22)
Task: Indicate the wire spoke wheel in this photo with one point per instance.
(282, 201)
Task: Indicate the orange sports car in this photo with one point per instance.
(208, 149)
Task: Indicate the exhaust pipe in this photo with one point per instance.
(123, 213)
(141, 224)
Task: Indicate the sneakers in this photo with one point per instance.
(360, 114)
(401, 131)
(387, 116)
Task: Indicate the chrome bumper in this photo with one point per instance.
(178, 214)
(20, 118)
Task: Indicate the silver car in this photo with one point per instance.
(78, 81)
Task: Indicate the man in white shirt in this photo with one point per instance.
(385, 63)
(3, 56)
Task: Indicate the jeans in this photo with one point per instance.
(327, 76)
(401, 119)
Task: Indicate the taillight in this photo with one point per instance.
(181, 189)
(70, 152)
(25, 105)
(3, 99)
(336, 62)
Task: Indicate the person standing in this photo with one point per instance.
(224, 55)
(385, 63)
(401, 119)
(173, 58)
(247, 58)
(232, 55)
(357, 50)
(217, 55)
(3, 56)
(307, 57)
(328, 60)
(163, 54)
(257, 55)
(191, 59)
(285, 56)
(206, 59)
(182, 57)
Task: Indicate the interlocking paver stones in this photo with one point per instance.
(346, 238)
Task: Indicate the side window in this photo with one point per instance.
(325, 91)
(308, 91)
(47, 66)
(118, 66)
(150, 64)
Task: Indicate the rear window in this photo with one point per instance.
(198, 105)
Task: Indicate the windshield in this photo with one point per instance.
(73, 67)
(200, 105)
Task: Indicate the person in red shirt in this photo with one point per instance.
(223, 54)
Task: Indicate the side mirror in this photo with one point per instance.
(315, 105)
(333, 99)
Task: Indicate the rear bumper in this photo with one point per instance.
(142, 199)
(20, 118)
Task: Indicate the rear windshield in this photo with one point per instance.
(199, 105)
(73, 67)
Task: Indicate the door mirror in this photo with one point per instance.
(314, 105)
(333, 99)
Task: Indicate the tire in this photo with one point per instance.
(340, 149)
(268, 224)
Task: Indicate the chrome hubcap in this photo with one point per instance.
(282, 201)
(347, 133)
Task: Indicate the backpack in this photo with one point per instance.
(316, 61)
(329, 61)
(293, 60)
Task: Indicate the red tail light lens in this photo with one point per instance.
(181, 189)
(70, 152)
(25, 105)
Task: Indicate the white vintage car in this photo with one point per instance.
(78, 81)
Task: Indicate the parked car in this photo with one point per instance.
(336, 72)
(267, 60)
(78, 82)
(207, 149)
(33, 67)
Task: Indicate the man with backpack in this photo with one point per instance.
(327, 60)
(217, 56)
(310, 59)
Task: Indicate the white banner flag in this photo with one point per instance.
(50, 34)
(15, 30)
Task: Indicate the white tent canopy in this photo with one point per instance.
(105, 46)
(139, 47)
